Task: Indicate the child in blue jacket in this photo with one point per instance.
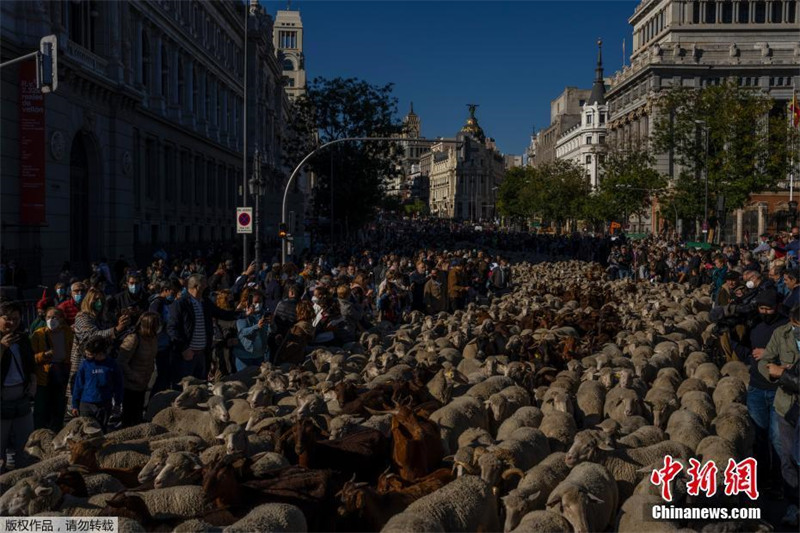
(97, 382)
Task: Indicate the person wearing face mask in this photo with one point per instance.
(760, 391)
(41, 308)
(52, 346)
(89, 323)
(133, 298)
(792, 280)
(793, 246)
(72, 306)
(61, 293)
(253, 331)
(782, 353)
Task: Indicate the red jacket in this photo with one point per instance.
(70, 309)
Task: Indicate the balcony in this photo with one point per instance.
(86, 58)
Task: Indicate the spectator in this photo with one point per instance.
(72, 306)
(225, 338)
(137, 356)
(17, 381)
(98, 382)
(132, 298)
(52, 346)
(161, 303)
(284, 317)
(41, 309)
(417, 282)
(299, 336)
(61, 293)
(252, 348)
(191, 329)
(434, 294)
(790, 277)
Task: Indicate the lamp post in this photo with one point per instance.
(705, 171)
(249, 10)
(285, 237)
(257, 189)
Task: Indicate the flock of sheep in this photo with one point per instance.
(544, 411)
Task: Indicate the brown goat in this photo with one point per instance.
(84, 453)
(416, 444)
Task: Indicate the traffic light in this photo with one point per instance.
(282, 230)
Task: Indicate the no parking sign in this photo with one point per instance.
(244, 220)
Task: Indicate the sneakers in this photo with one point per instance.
(790, 518)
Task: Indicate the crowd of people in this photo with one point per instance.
(102, 344)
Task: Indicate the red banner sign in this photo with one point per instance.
(31, 147)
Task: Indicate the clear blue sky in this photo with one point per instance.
(510, 57)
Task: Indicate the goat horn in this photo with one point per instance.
(511, 471)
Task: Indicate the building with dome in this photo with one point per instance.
(405, 185)
(585, 142)
(464, 174)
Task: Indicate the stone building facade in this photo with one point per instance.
(585, 142)
(403, 185)
(464, 174)
(288, 42)
(142, 143)
(565, 113)
(696, 44)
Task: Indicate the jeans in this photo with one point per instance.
(624, 273)
(790, 458)
(14, 432)
(194, 367)
(765, 421)
(164, 366)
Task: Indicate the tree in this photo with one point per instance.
(417, 207)
(350, 175)
(627, 185)
(748, 144)
(512, 192)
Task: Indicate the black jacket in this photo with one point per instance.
(760, 334)
(123, 300)
(181, 321)
(790, 380)
(26, 354)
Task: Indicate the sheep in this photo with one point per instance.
(101, 483)
(185, 501)
(689, 385)
(529, 416)
(736, 369)
(456, 417)
(483, 390)
(717, 449)
(661, 403)
(729, 389)
(266, 463)
(668, 378)
(160, 401)
(271, 517)
(623, 405)
(503, 404)
(693, 360)
(557, 400)
(700, 404)
(587, 498)
(636, 515)
(523, 450)
(708, 373)
(40, 444)
(180, 468)
(42, 468)
(534, 488)
(206, 424)
(736, 428)
(79, 428)
(466, 504)
(590, 400)
(192, 396)
(560, 429)
(140, 431)
(644, 436)
(687, 427)
(543, 522)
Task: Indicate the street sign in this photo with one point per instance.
(244, 220)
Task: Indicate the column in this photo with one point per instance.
(702, 12)
(719, 12)
(188, 83)
(762, 218)
(137, 54)
(736, 6)
(155, 54)
(739, 223)
(751, 17)
(769, 11)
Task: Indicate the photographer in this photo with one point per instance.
(253, 331)
(133, 300)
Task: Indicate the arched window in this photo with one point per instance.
(164, 72)
(146, 60)
(288, 64)
(181, 81)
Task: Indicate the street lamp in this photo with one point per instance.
(705, 169)
(325, 145)
(256, 186)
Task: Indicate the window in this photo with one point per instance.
(588, 159)
(198, 181)
(221, 182)
(181, 81)
(164, 72)
(218, 99)
(588, 139)
(711, 12)
(186, 177)
(580, 103)
(696, 12)
(791, 9)
(145, 59)
(151, 182)
(601, 139)
(589, 119)
(137, 176)
(602, 118)
(207, 95)
(761, 12)
(777, 11)
(82, 17)
(744, 12)
(289, 82)
(169, 177)
(210, 179)
(288, 64)
(287, 39)
(194, 88)
(727, 12)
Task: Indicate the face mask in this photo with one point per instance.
(257, 308)
(750, 284)
(98, 306)
(52, 323)
(78, 298)
(60, 292)
(768, 318)
(314, 300)
(133, 288)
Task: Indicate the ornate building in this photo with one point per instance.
(464, 174)
(585, 142)
(700, 43)
(288, 42)
(402, 185)
(141, 146)
(565, 113)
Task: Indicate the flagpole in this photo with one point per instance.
(792, 133)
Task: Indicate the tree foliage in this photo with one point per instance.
(335, 109)
(554, 192)
(627, 185)
(748, 144)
